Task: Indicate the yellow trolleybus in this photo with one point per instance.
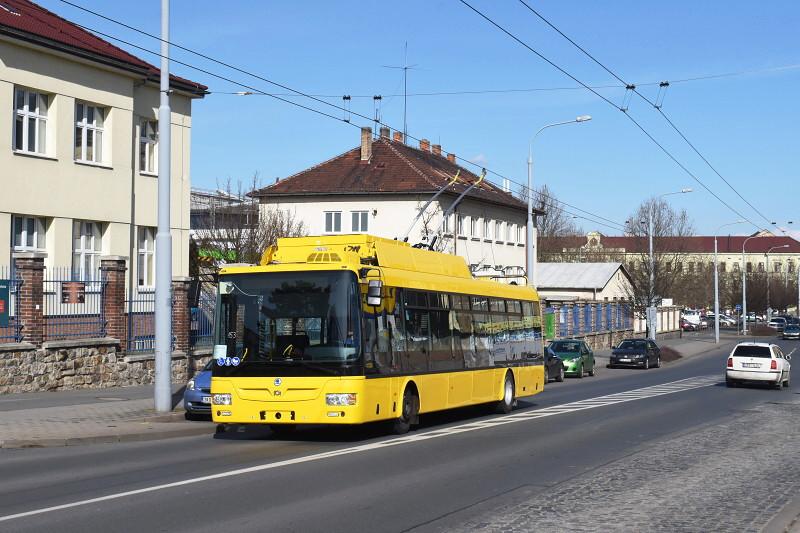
(351, 329)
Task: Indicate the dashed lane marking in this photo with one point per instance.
(581, 405)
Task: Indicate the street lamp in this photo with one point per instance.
(744, 285)
(529, 237)
(651, 294)
(769, 309)
(716, 280)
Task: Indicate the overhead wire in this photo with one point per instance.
(255, 90)
(628, 115)
(655, 105)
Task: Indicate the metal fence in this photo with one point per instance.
(141, 322)
(10, 328)
(202, 323)
(73, 304)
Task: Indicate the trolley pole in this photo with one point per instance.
(163, 303)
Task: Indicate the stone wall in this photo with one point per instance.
(84, 364)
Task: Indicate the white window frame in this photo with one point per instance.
(335, 219)
(520, 239)
(85, 129)
(446, 224)
(39, 225)
(146, 257)
(87, 240)
(510, 232)
(460, 225)
(498, 230)
(359, 221)
(473, 226)
(39, 117)
(487, 228)
(148, 146)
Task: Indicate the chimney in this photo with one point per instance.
(425, 145)
(506, 185)
(437, 149)
(366, 143)
(398, 136)
(451, 158)
(384, 132)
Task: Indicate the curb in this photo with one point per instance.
(193, 430)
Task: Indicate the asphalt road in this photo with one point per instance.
(454, 472)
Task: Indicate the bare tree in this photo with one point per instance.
(670, 273)
(233, 228)
(557, 230)
(429, 224)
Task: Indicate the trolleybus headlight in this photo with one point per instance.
(348, 398)
(221, 399)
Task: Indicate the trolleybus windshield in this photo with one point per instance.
(270, 322)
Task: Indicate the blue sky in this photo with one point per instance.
(747, 126)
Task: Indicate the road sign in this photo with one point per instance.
(738, 308)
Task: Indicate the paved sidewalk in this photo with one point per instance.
(96, 416)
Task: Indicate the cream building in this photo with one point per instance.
(379, 188)
(78, 161)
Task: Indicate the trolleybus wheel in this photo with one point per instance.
(407, 412)
(505, 405)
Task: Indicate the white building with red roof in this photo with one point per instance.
(79, 158)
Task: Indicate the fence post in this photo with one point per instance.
(30, 268)
(181, 312)
(112, 306)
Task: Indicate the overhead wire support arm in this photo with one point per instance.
(428, 203)
(453, 207)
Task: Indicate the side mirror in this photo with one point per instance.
(788, 357)
(374, 292)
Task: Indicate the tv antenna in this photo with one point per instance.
(405, 68)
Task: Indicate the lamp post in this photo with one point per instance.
(716, 280)
(744, 286)
(529, 236)
(652, 290)
(769, 309)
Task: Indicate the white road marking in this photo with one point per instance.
(590, 403)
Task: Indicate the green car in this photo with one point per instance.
(578, 358)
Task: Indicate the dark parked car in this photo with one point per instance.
(642, 353)
(197, 395)
(553, 366)
(792, 331)
(578, 358)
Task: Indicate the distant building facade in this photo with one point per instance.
(379, 188)
(79, 161)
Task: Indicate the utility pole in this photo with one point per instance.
(716, 281)
(163, 303)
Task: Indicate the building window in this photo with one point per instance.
(679, 266)
(30, 121)
(790, 267)
(487, 228)
(736, 267)
(146, 257)
(86, 240)
(669, 266)
(473, 226)
(498, 230)
(460, 223)
(761, 267)
(777, 268)
(722, 266)
(511, 231)
(148, 146)
(519, 234)
(446, 224)
(333, 221)
(89, 121)
(749, 267)
(29, 234)
(360, 221)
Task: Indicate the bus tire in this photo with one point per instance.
(408, 412)
(506, 405)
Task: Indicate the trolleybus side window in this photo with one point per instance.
(482, 326)
(418, 330)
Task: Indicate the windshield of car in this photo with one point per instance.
(752, 351)
(286, 319)
(566, 347)
(632, 345)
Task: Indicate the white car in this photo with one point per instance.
(759, 362)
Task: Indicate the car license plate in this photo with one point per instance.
(624, 360)
(751, 365)
(206, 399)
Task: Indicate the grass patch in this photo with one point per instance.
(760, 330)
(668, 355)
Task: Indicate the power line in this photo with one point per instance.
(295, 92)
(628, 115)
(655, 106)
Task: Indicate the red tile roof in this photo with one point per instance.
(726, 244)
(25, 20)
(394, 168)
